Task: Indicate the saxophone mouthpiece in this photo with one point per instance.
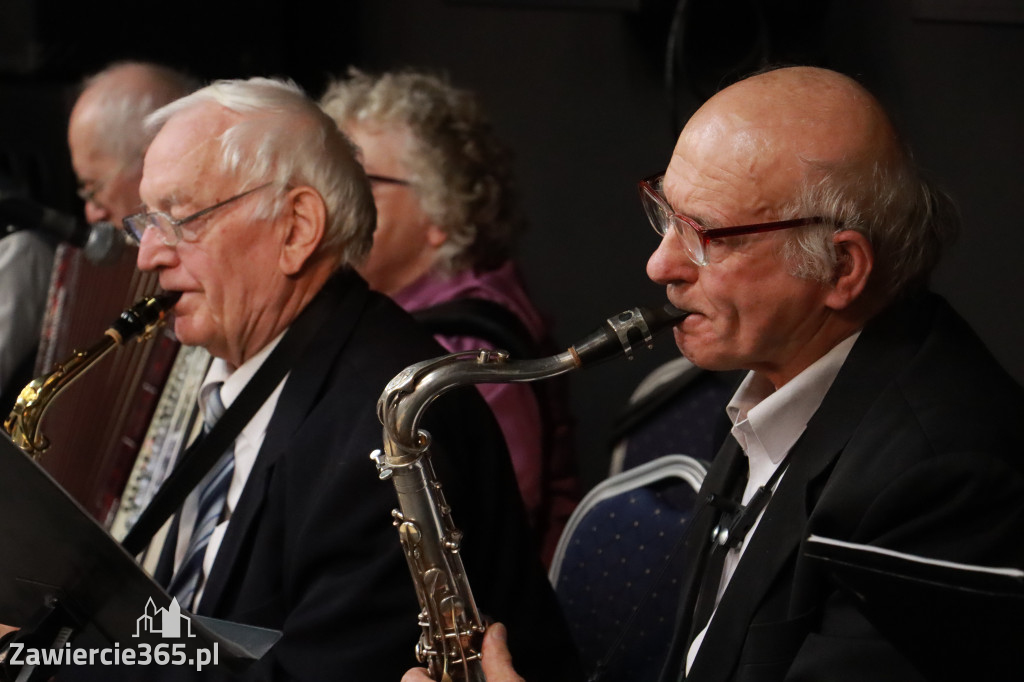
(143, 317)
(624, 332)
(666, 316)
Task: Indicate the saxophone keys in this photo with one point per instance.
(409, 533)
(453, 542)
(384, 472)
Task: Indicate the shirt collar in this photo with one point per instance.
(767, 422)
(234, 381)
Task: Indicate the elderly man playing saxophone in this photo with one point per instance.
(255, 210)
(799, 233)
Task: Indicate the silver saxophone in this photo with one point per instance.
(452, 629)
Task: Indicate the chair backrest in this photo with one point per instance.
(617, 566)
(677, 408)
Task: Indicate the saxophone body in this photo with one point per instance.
(451, 627)
(22, 424)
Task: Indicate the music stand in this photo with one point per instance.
(952, 621)
(61, 573)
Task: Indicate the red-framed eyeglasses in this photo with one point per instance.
(695, 237)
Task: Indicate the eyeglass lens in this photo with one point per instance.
(137, 225)
(664, 219)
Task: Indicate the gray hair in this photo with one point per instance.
(283, 137)
(120, 105)
(906, 218)
(460, 172)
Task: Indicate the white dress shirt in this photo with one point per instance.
(766, 424)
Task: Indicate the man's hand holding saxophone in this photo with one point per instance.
(496, 660)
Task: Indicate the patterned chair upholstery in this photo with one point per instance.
(677, 408)
(617, 566)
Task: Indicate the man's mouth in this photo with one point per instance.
(683, 306)
(689, 320)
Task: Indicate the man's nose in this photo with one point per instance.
(154, 253)
(670, 262)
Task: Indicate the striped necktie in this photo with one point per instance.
(212, 496)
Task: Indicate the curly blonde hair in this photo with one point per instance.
(459, 170)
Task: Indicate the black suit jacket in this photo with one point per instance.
(310, 549)
(910, 450)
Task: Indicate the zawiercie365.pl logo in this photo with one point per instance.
(169, 623)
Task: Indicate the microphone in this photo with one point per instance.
(102, 243)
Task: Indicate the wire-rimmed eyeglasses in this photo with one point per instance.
(695, 237)
(170, 229)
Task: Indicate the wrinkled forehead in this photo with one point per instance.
(90, 160)
(182, 162)
(726, 166)
(753, 144)
(93, 165)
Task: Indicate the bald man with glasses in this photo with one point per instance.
(797, 230)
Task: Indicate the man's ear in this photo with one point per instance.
(855, 260)
(305, 220)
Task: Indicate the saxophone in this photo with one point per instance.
(22, 424)
(452, 629)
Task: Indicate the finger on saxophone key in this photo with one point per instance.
(416, 675)
(497, 661)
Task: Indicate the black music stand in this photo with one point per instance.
(61, 574)
(953, 621)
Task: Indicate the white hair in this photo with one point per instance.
(905, 217)
(283, 137)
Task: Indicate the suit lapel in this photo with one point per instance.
(165, 562)
(776, 538)
(698, 545)
(348, 296)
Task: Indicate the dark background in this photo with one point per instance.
(590, 94)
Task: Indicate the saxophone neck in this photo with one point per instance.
(407, 396)
(23, 423)
(411, 392)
